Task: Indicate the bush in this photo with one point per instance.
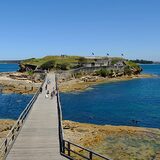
(133, 65)
(78, 75)
(48, 65)
(63, 66)
(127, 70)
(102, 72)
(82, 60)
(30, 73)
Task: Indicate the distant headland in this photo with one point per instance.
(10, 61)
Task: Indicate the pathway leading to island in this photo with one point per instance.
(38, 139)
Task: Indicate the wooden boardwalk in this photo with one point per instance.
(38, 139)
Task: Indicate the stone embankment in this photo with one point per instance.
(19, 83)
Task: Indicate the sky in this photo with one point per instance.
(36, 28)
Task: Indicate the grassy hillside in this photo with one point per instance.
(69, 62)
(57, 59)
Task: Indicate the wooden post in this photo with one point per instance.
(63, 146)
(6, 142)
(12, 134)
(69, 147)
(90, 155)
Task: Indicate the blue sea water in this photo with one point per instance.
(119, 103)
(9, 67)
(11, 105)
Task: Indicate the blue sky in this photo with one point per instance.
(35, 28)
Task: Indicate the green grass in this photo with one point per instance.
(57, 59)
(132, 64)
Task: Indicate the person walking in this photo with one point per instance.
(46, 87)
(52, 95)
(46, 96)
(41, 89)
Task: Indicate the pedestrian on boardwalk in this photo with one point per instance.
(48, 92)
(46, 96)
(41, 89)
(48, 81)
(46, 87)
(52, 95)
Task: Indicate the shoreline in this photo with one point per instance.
(20, 83)
(77, 85)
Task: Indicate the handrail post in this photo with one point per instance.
(90, 155)
(69, 147)
(13, 134)
(6, 143)
(63, 146)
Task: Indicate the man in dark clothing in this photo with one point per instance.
(40, 89)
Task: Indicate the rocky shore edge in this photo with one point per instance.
(5, 127)
(21, 83)
(116, 142)
(87, 81)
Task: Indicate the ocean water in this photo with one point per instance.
(9, 67)
(11, 105)
(118, 103)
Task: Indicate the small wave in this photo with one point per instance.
(19, 101)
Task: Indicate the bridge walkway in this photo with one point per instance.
(38, 138)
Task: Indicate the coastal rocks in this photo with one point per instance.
(128, 142)
(26, 67)
(19, 83)
(89, 78)
(79, 84)
(5, 127)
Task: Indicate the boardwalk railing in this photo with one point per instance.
(70, 150)
(10, 138)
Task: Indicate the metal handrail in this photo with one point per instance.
(90, 152)
(63, 142)
(61, 133)
(13, 133)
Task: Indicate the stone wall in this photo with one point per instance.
(66, 75)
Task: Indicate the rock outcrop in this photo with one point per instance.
(20, 83)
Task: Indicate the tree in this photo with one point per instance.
(127, 70)
(82, 61)
(63, 66)
(48, 65)
(103, 72)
